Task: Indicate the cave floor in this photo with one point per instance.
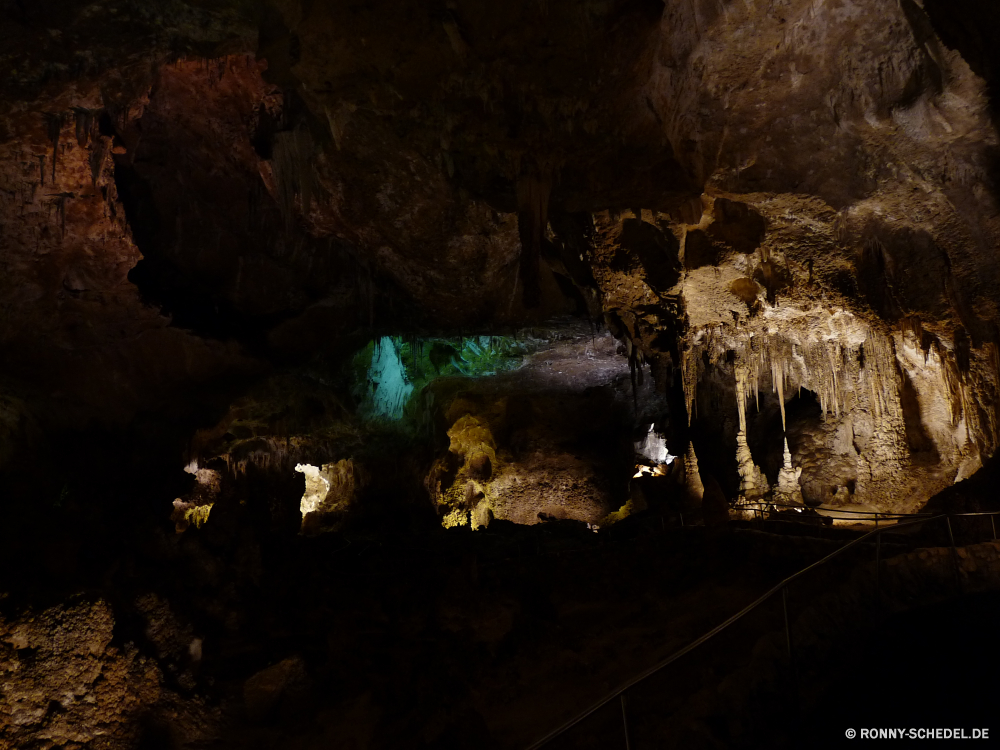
(494, 641)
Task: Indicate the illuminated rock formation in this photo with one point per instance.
(65, 654)
(195, 508)
(475, 246)
(753, 486)
(787, 489)
(695, 488)
(331, 491)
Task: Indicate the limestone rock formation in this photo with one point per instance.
(264, 691)
(787, 489)
(694, 487)
(331, 492)
(776, 225)
(64, 683)
(195, 508)
(527, 456)
(753, 486)
(838, 240)
(546, 483)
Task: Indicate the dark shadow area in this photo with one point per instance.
(916, 434)
(766, 437)
(932, 667)
(968, 26)
(190, 303)
(654, 251)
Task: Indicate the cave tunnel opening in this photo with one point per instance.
(714, 435)
(192, 304)
(530, 427)
(341, 471)
(210, 233)
(922, 446)
(766, 437)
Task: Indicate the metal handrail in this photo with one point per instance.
(884, 514)
(649, 672)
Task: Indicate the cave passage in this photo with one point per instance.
(405, 375)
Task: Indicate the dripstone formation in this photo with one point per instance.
(374, 268)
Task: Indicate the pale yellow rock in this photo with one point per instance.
(788, 489)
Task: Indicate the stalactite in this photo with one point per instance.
(742, 375)
(59, 203)
(97, 159)
(689, 380)
(84, 125)
(967, 394)
(855, 378)
(631, 370)
(293, 171)
(753, 485)
(778, 379)
(883, 380)
(532, 219)
(54, 122)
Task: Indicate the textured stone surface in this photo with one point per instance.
(784, 212)
(282, 199)
(331, 491)
(65, 685)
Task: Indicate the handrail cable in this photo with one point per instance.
(820, 510)
(650, 671)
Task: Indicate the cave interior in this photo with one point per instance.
(398, 374)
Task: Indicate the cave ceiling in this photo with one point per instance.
(287, 286)
(751, 196)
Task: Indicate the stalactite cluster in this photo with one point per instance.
(858, 381)
(293, 170)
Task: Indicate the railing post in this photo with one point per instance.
(788, 627)
(954, 555)
(878, 570)
(628, 744)
(791, 657)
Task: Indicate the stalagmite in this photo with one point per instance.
(741, 397)
(695, 488)
(788, 489)
(753, 484)
(532, 219)
(851, 368)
